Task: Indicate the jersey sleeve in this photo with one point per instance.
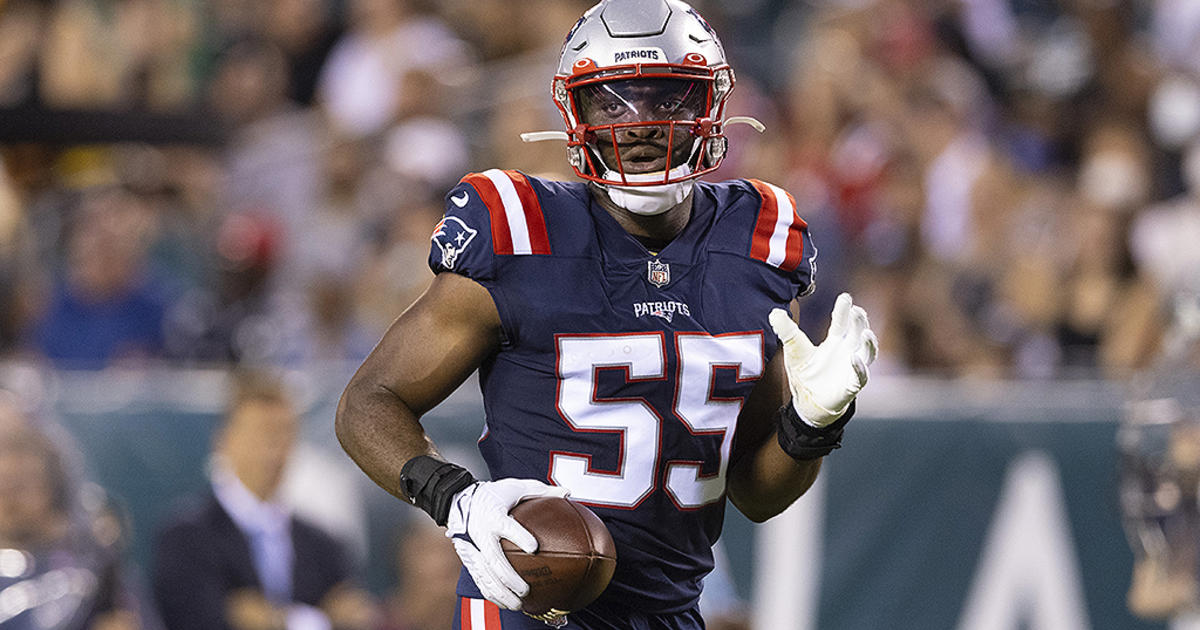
(488, 215)
(461, 241)
(780, 237)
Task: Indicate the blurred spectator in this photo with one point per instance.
(1163, 237)
(17, 264)
(948, 135)
(109, 303)
(426, 574)
(490, 25)
(261, 308)
(1176, 32)
(334, 242)
(364, 80)
(425, 147)
(236, 558)
(334, 329)
(272, 161)
(1162, 512)
(227, 320)
(1107, 314)
(1159, 441)
(21, 24)
(393, 276)
(521, 105)
(62, 564)
(273, 184)
(120, 55)
(305, 30)
(333, 237)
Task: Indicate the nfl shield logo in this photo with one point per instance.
(659, 273)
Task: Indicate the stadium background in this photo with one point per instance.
(1008, 186)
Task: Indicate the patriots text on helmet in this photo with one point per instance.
(638, 54)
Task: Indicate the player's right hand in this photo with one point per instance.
(479, 519)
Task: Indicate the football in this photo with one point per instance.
(575, 557)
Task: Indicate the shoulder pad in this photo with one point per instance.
(518, 225)
(779, 233)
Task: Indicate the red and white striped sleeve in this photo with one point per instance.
(779, 233)
(518, 225)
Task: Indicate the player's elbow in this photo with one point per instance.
(756, 516)
(761, 494)
(756, 511)
(752, 502)
(352, 414)
(743, 495)
(367, 410)
(343, 419)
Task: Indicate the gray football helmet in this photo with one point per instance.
(652, 70)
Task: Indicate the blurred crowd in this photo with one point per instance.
(1010, 187)
(1004, 185)
(61, 540)
(243, 553)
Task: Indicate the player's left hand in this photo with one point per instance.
(477, 521)
(824, 379)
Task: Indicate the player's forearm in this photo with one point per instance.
(767, 482)
(823, 380)
(379, 432)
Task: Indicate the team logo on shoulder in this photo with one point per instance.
(452, 237)
(658, 273)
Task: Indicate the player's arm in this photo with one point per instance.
(425, 355)
(796, 413)
(763, 480)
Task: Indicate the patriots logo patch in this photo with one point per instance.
(452, 237)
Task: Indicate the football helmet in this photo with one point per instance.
(642, 86)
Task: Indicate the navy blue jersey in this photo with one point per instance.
(622, 371)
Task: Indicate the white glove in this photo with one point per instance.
(825, 379)
(477, 521)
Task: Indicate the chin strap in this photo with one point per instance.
(542, 136)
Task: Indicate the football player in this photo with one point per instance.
(630, 333)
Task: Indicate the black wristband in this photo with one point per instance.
(804, 441)
(431, 483)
